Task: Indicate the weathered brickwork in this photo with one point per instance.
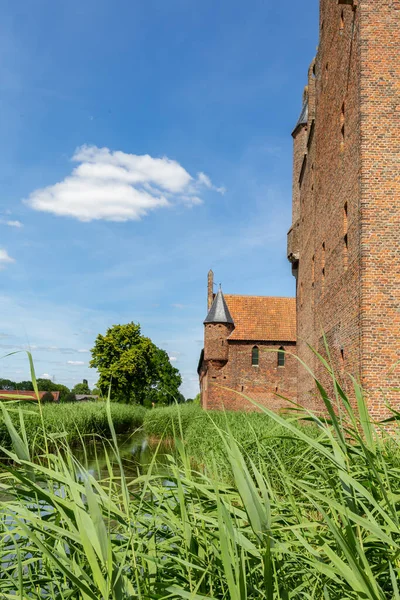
(263, 383)
(347, 201)
(226, 370)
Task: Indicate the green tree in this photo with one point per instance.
(25, 386)
(7, 384)
(70, 397)
(47, 397)
(137, 370)
(63, 389)
(164, 386)
(46, 385)
(81, 388)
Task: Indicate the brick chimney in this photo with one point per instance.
(210, 289)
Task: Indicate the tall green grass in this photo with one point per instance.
(259, 436)
(73, 421)
(330, 531)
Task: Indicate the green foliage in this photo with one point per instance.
(81, 388)
(328, 532)
(72, 420)
(7, 384)
(46, 385)
(24, 386)
(47, 397)
(258, 435)
(136, 369)
(70, 397)
(170, 421)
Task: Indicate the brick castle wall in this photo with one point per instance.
(349, 195)
(262, 383)
(380, 200)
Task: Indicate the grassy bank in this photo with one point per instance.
(326, 532)
(75, 421)
(259, 436)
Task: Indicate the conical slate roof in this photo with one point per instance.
(303, 119)
(219, 311)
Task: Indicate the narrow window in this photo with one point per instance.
(312, 280)
(342, 120)
(342, 21)
(281, 357)
(345, 238)
(313, 271)
(255, 356)
(323, 267)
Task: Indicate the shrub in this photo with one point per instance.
(47, 397)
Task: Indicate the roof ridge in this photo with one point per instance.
(260, 296)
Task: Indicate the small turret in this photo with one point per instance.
(218, 327)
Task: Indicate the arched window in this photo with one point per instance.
(255, 356)
(281, 357)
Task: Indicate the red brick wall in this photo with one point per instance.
(380, 203)
(353, 161)
(261, 383)
(215, 341)
(328, 283)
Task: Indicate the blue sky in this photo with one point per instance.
(92, 231)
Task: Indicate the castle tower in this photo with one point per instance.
(218, 326)
(344, 242)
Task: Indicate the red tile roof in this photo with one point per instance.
(262, 318)
(5, 394)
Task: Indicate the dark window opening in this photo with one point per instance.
(303, 169)
(281, 357)
(345, 238)
(255, 356)
(342, 21)
(311, 136)
(342, 121)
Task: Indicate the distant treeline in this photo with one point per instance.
(47, 385)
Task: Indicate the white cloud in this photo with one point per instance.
(17, 224)
(83, 350)
(5, 259)
(45, 376)
(173, 358)
(116, 186)
(203, 179)
(75, 362)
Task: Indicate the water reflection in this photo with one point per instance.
(98, 456)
